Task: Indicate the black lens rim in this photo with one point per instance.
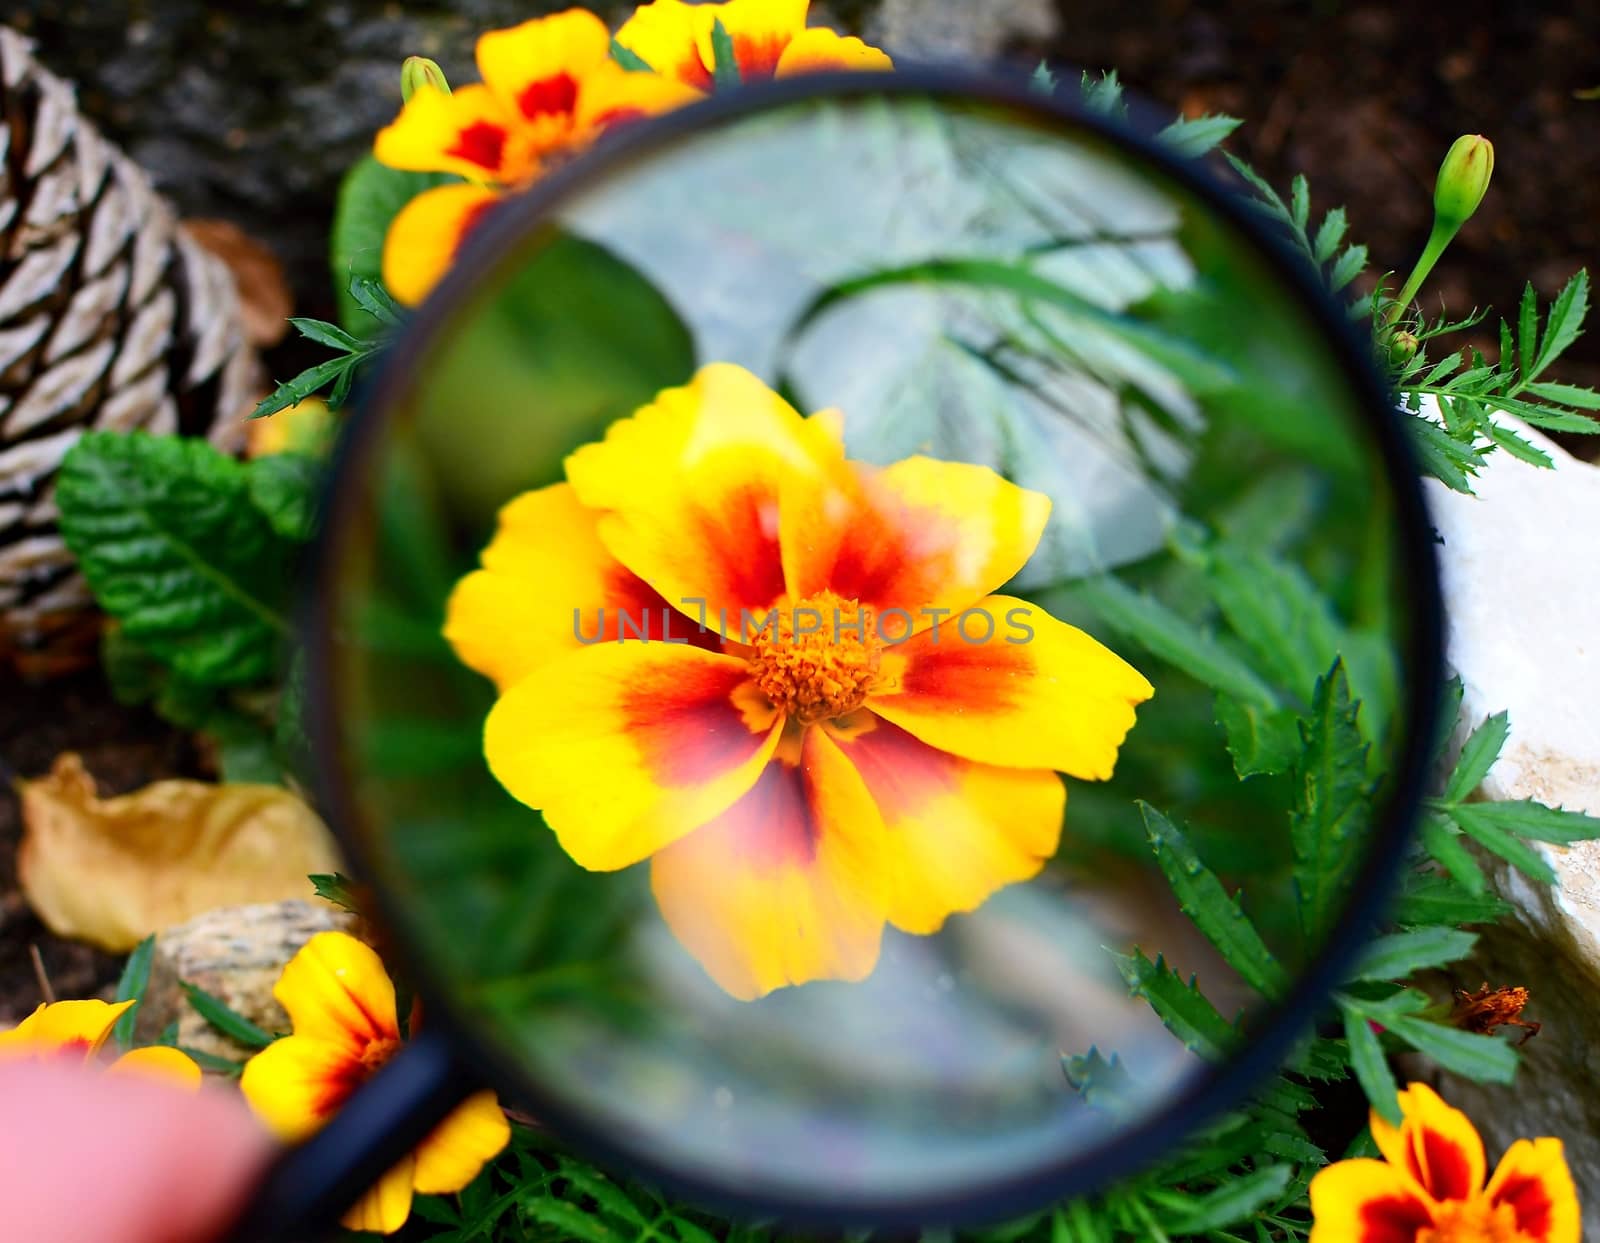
(1272, 1038)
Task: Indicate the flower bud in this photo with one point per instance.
(1403, 347)
(418, 71)
(1463, 179)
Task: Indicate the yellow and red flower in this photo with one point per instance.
(1429, 1187)
(549, 89)
(80, 1029)
(796, 787)
(341, 1003)
(769, 39)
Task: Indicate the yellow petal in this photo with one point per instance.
(548, 587)
(611, 95)
(918, 536)
(1367, 1201)
(760, 31)
(1037, 694)
(336, 990)
(1434, 1143)
(386, 1206)
(426, 235)
(297, 1083)
(821, 50)
(955, 831)
(665, 34)
(66, 1026)
(788, 885)
(535, 70)
(460, 1146)
(692, 485)
(1534, 1182)
(468, 132)
(159, 1062)
(112, 871)
(628, 746)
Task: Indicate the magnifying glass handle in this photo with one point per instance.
(310, 1186)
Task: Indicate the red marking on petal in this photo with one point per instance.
(339, 1086)
(969, 673)
(1393, 1219)
(774, 824)
(554, 96)
(758, 57)
(634, 611)
(482, 144)
(903, 772)
(742, 536)
(1448, 1174)
(687, 725)
(1530, 1201)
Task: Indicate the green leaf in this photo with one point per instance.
(589, 1182)
(337, 888)
(1566, 395)
(1261, 741)
(1478, 755)
(308, 383)
(1182, 1007)
(1192, 137)
(249, 759)
(1300, 202)
(1329, 821)
(1517, 446)
(225, 1019)
(131, 986)
(172, 546)
(286, 487)
(1442, 456)
(629, 59)
(1528, 331)
(370, 196)
(1400, 955)
(1103, 1084)
(1370, 1066)
(1334, 226)
(1564, 324)
(1218, 916)
(1350, 265)
(1443, 841)
(1238, 1199)
(571, 1221)
(1498, 841)
(324, 333)
(1527, 818)
(725, 62)
(369, 294)
(1433, 898)
(1103, 94)
(1486, 1059)
(1044, 79)
(1174, 639)
(213, 1063)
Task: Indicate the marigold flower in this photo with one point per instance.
(549, 89)
(769, 38)
(795, 786)
(1429, 1187)
(79, 1029)
(341, 1003)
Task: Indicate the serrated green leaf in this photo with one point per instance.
(1236, 1200)
(1478, 755)
(166, 534)
(1182, 1007)
(1260, 741)
(572, 1221)
(1275, 609)
(337, 888)
(1330, 235)
(287, 487)
(1044, 79)
(589, 1182)
(1566, 395)
(629, 59)
(1528, 331)
(1327, 826)
(1441, 456)
(1509, 847)
(1563, 325)
(1103, 1084)
(1174, 639)
(308, 383)
(1515, 445)
(1370, 1066)
(1103, 94)
(1218, 916)
(324, 333)
(1193, 137)
(225, 1019)
(1441, 840)
(725, 61)
(1451, 362)
(131, 986)
(370, 196)
(1434, 898)
(1527, 818)
(1300, 202)
(1349, 266)
(1486, 1059)
(1399, 955)
(210, 1061)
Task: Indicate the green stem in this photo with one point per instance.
(1438, 240)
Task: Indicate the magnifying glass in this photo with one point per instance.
(811, 584)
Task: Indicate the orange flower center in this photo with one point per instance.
(817, 659)
(377, 1053)
(1472, 1221)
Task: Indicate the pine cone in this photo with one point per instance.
(111, 317)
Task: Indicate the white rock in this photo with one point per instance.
(959, 31)
(1522, 591)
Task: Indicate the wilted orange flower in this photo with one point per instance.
(795, 785)
(79, 1029)
(549, 89)
(341, 1003)
(769, 39)
(1429, 1188)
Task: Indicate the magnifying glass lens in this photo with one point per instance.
(824, 591)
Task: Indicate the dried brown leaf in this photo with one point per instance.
(112, 871)
(265, 301)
